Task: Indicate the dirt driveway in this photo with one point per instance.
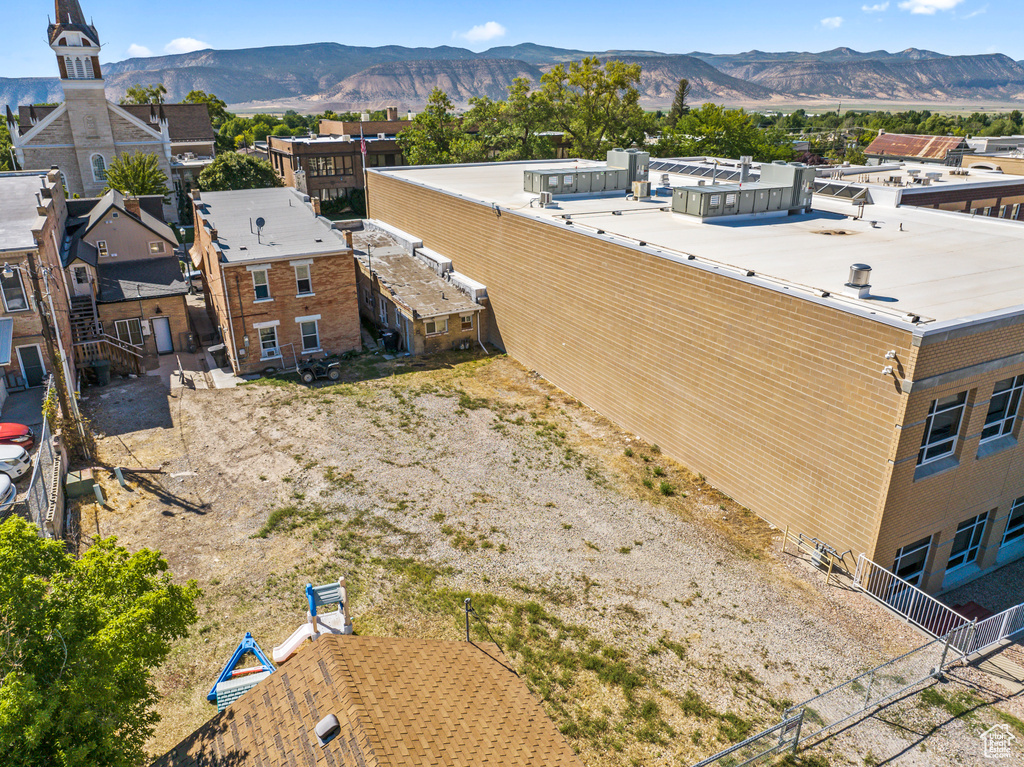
(655, 617)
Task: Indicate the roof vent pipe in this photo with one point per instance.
(859, 284)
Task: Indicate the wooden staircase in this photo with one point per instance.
(92, 344)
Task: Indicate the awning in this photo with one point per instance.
(6, 337)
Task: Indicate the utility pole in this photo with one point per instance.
(55, 361)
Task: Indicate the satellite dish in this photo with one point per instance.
(261, 222)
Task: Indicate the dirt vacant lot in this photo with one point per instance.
(656, 618)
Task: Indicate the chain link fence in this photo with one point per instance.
(783, 738)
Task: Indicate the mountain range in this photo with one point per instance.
(330, 75)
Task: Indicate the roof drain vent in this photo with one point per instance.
(327, 729)
(859, 285)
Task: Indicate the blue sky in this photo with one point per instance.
(132, 27)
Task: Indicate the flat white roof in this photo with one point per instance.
(943, 267)
(18, 212)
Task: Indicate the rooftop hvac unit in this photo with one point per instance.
(346, 137)
(664, 179)
(546, 199)
(382, 135)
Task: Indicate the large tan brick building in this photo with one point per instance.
(280, 280)
(884, 420)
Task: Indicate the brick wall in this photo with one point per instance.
(779, 401)
(172, 307)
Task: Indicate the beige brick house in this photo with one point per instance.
(280, 280)
(85, 133)
(882, 419)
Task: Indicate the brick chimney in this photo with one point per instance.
(316, 205)
(131, 204)
(348, 238)
(392, 113)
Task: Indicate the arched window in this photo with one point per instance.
(99, 168)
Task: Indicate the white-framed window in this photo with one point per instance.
(268, 343)
(967, 541)
(942, 428)
(911, 559)
(1014, 523)
(129, 331)
(261, 284)
(436, 326)
(101, 248)
(303, 283)
(310, 335)
(156, 247)
(1003, 408)
(467, 321)
(383, 310)
(99, 167)
(13, 289)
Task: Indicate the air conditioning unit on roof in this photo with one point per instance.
(382, 135)
(545, 199)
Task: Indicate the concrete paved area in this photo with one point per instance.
(25, 407)
(182, 370)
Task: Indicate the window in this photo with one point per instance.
(467, 321)
(99, 168)
(911, 559)
(156, 247)
(260, 284)
(14, 291)
(129, 331)
(310, 336)
(942, 428)
(1002, 408)
(321, 166)
(101, 247)
(730, 199)
(383, 310)
(303, 284)
(268, 343)
(345, 165)
(1015, 523)
(967, 541)
(715, 200)
(437, 326)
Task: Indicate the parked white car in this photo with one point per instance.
(8, 492)
(14, 461)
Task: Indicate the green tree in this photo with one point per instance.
(237, 171)
(80, 640)
(510, 129)
(141, 94)
(680, 106)
(714, 130)
(434, 137)
(597, 107)
(136, 174)
(219, 113)
(6, 163)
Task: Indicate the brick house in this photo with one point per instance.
(126, 285)
(32, 216)
(411, 291)
(280, 280)
(883, 419)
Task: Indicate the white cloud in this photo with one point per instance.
(483, 32)
(928, 7)
(978, 12)
(832, 22)
(876, 8)
(185, 45)
(139, 51)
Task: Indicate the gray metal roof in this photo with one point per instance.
(146, 278)
(18, 209)
(291, 229)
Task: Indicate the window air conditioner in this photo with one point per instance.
(545, 198)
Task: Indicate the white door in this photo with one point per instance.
(82, 286)
(162, 331)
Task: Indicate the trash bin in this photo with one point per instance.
(102, 369)
(220, 354)
(389, 340)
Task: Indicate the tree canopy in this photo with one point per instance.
(510, 129)
(142, 94)
(219, 113)
(136, 174)
(5, 148)
(231, 170)
(435, 136)
(680, 105)
(80, 638)
(714, 130)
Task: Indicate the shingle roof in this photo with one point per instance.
(185, 122)
(114, 199)
(144, 278)
(399, 702)
(908, 145)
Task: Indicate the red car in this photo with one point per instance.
(17, 434)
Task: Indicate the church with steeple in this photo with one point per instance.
(85, 133)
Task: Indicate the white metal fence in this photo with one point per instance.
(985, 634)
(921, 609)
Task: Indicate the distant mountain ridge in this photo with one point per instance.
(322, 75)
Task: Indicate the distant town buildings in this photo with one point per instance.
(83, 135)
(854, 373)
(941, 150)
